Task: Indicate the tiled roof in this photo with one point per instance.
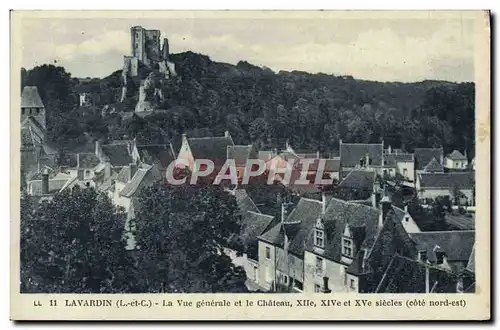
(433, 166)
(456, 244)
(424, 155)
(461, 180)
(213, 148)
(108, 183)
(87, 160)
(362, 221)
(140, 177)
(393, 159)
(118, 154)
(30, 98)
(161, 154)
(299, 223)
(462, 222)
(332, 164)
(404, 275)
(253, 224)
(351, 153)
(274, 235)
(240, 154)
(124, 174)
(359, 180)
(245, 202)
(456, 155)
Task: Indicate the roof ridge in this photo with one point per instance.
(310, 200)
(444, 231)
(261, 214)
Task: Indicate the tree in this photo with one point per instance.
(74, 244)
(181, 231)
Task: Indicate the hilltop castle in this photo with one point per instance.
(146, 48)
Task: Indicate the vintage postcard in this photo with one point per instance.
(250, 165)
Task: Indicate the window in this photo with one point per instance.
(268, 253)
(347, 247)
(285, 279)
(405, 172)
(37, 111)
(319, 238)
(269, 274)
(345, 275)
(456, 164)
(22, 111)
(317, 288)
(407, 218)
(87, 172)
(353, 284)
(319, 265)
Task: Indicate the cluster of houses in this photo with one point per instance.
(362, 243)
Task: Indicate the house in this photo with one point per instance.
(117, 153)
(433, 167)
(241, 154)
(281, 249)
(423, 156)
(361, 155)
(357, 185)
(160, 154)
(131, 180)
(339, 248)
(459, 186)
(212, 148)
(456, 161)
(403, 163)
(48, 185)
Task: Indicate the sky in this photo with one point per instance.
(396, 49)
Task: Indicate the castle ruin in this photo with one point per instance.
(146, 48)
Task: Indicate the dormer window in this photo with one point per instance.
(319, 235)
(347, 244)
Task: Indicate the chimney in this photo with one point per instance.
(287, 145)
(317, 154)
(325, 285)
(133, 169)
(226, 134)
(442, 156)
(80, 173)
(323, 203)
(45, 181)
(107, 170)
(98, 149)
(406, 208)
(274, 152)
(427, 280)
(78, 160)
(376, 194)
(389, 149)
(386, 207)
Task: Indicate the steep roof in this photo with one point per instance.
(265, 155)
(433, 166)
(253, 224)
(274, 235)
(245, 202)
(299, 223)
(393, 159)
(424, 155)
(351, 153)
(359, 180)
(456, 155)
(404, 275)
(361, 219)
(30, 98)
(240, 153)
(461, 180)
(332, 164)
(87, 160)
(139, 177)
(156, 154)
(457, 244)
(118, 154)
(55, 185)
(213, 148)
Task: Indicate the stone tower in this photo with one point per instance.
(32, 106)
